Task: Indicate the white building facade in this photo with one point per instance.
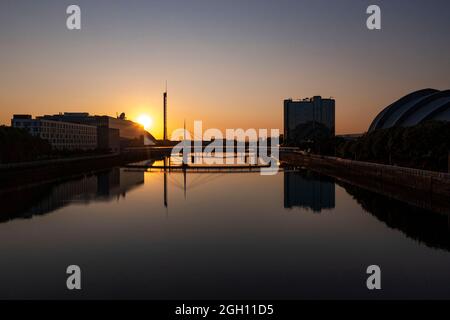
(61, 135)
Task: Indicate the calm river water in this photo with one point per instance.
(295, 235)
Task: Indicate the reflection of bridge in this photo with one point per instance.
(190, 164)
(206, 173)
(200, 169)
(193, 162)
(243, 162)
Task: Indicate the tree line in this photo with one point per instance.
(17, 145)
(424, 146)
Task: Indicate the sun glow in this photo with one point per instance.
(146, 121)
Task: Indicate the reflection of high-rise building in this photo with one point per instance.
(308, 191)
(308, 117)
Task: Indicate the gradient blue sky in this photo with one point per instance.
(229, 63)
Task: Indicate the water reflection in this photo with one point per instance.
(187, 235)
(430, 228)
(303, 189)
(312, 191)
(102, 186)
(306, 189)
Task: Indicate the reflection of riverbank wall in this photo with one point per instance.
(25, 174)
(432, 229)
(422, 188)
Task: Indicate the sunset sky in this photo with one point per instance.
(229, 63)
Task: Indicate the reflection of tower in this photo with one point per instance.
(165, 115)
(165, 182)
(305, 190)
(167, 166)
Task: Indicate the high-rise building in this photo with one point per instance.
(304, 119)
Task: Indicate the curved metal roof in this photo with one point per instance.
(414, 108)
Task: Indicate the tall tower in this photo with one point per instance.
(165, 115)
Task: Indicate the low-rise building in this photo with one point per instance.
(108, 139)
(130, 133)
(60, 135)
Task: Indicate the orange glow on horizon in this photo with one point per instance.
(146, 121)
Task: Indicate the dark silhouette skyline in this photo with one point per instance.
(221, 58)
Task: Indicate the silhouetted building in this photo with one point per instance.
(304, 118)
(108, 139)
(303, 190)
(61, 135)
(414, 108)
(351, 136)
(130, 133)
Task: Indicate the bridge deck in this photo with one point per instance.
(198, 167)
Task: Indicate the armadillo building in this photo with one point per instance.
(413, 109)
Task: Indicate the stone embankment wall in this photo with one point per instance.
(414, 179)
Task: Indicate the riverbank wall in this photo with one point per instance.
(427, 189)
(26, 174)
